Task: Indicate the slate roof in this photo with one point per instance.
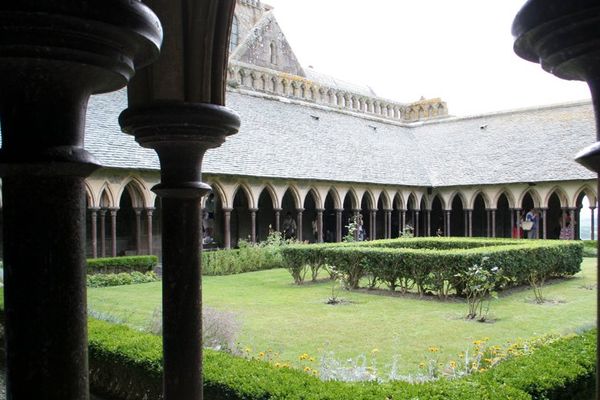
(527, 145)
(336, 83)
(281, 139)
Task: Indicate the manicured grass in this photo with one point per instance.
(293, 319)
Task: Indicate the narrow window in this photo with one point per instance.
(273, 53)
(235, 34)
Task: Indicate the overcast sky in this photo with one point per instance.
(459, 50)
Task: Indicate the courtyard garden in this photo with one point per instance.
(376, 330)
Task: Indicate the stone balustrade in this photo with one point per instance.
(245, 76)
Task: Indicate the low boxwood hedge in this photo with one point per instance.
(127, 364)
(432, 263)
(245, 259)
(115, 265)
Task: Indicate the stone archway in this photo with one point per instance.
(349, 207)
(437, 225)
(504, 224)
(309, 218)
(265, 216)
(368, 212)
(554, 217)
(330, 219)
(457, 217)
(480, 217)
(241, 219)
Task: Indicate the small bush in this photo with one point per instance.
(220, 329)
(114, 265)
(245, 259)
(124, 278)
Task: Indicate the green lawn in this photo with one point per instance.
(293, 320)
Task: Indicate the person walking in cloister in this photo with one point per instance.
(532, 218)
(289, 226)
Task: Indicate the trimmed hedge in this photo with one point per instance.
(423, 263)
(127, 364)
(115, 265)
(123, 278)
(237, 261)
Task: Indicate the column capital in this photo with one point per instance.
(96, 209)
(389, 210)
(277, 209)
(227, 209)
(468, 209)
(253, 210)
(299, 210)
(320, 210)
(339, 210)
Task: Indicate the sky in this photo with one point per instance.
(459, 50)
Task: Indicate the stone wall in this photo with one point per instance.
(246, 76)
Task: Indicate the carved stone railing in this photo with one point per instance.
(251, 3)
(246, 76)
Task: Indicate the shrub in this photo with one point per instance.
(219, 328)
(128, 363)
(245, 259)
(124, 278)
(438, 265)
(121, 264)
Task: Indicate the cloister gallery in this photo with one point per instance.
(322, 150)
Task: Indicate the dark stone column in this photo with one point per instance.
(469, 226)
(227, 227)
(389, 223)
(277, 219)
(493, 213)
(338, 225)
(356, 213)
(181, 133)
(593, 233)
(113, 231)
(138, 230)
(94, 227)
(102, 214)
(416, 222)
(299, 224)
(53, 56)
(574, 222)
(373, 223)
(253, 225)
(149, 213)
(320, 225)
(512, 222)
(543, 226)
(563, 37)
(402, 220)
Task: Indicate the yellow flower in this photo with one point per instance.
(421, 365)
(261, 354)
(375, 351)
(312, 359)
(453, 364)
(307, 369)
(247, 349)
(315, 372)
(277, 365)
(433, 349)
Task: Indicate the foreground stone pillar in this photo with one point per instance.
(402, 222)
(512, 223)
(493, 212)
(53, 56)
(563, 36)
(427, 223)
(181, 133)
(447, 214)
(416, 222)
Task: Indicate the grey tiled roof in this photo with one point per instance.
(531, 145)
(284, 140)
(336, 83)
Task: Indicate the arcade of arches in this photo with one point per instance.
(124, 214)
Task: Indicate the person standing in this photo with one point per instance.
(289, 226)
(532, 216)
